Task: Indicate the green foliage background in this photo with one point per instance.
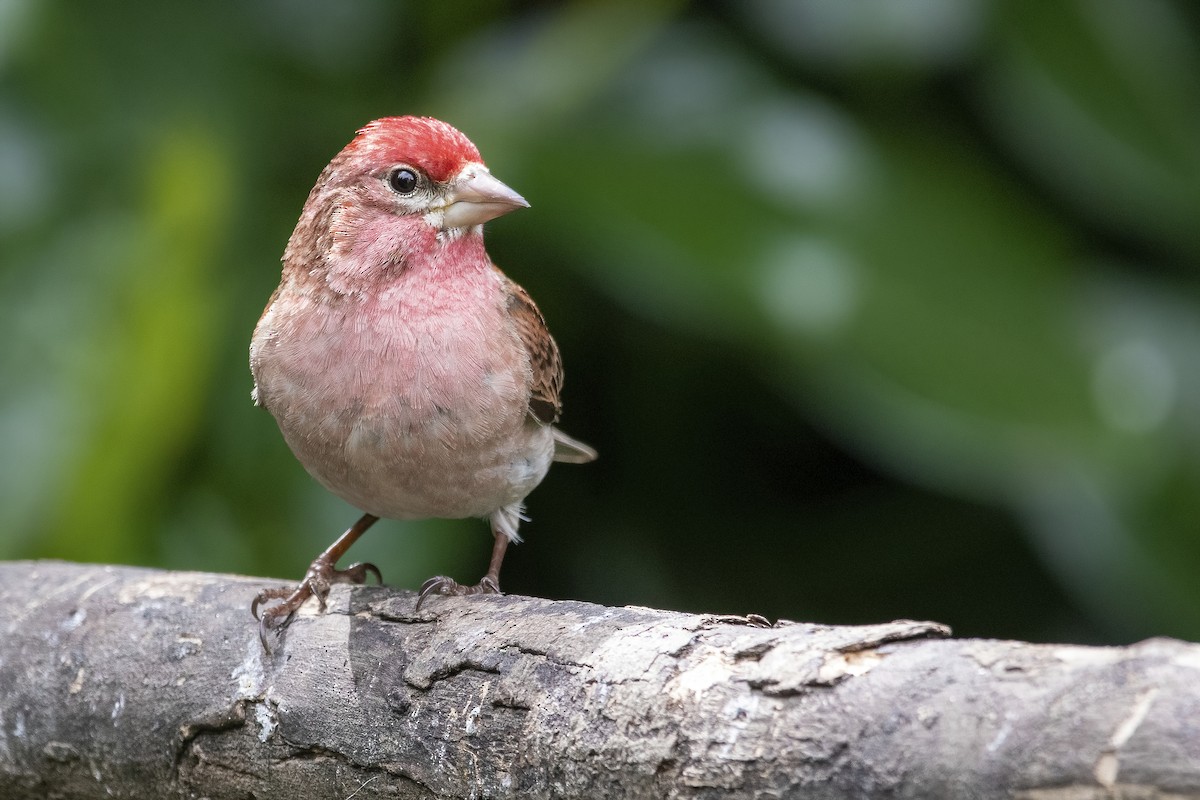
(874, 309)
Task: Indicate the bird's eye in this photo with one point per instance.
(402, 180)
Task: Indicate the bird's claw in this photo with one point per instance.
(357, 573)
(442, 584)
(317, 581)
(278, 616)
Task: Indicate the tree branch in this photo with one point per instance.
(138, 683)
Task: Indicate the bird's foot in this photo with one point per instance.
(448, 586)
(317, 581)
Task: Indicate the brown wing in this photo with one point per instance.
(544, 402)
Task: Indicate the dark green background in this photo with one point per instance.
(873, 309)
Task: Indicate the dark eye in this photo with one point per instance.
(402, 180)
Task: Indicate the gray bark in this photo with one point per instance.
(123, 682)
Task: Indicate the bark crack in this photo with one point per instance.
(216, 721)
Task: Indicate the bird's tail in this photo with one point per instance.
(571, 451)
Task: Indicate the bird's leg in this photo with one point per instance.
(488, 584)
(320, 576)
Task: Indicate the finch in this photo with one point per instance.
(407, 373)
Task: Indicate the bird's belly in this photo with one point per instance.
(409, 404)
(456, 441)
(403, 471)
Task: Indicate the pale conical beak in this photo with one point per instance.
(475, 197)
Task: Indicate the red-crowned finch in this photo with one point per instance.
(407, 373)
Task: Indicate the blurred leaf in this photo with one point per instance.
(1100, 97)
(944, 341)
(514, 79)
(152, 357)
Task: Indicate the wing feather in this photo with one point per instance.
(545, 402)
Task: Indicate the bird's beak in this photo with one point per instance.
(475, 197)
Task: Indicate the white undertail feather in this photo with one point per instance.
(507, 519)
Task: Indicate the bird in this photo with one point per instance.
(407, 373)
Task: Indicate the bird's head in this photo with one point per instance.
(403, 191)
(423, 167)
